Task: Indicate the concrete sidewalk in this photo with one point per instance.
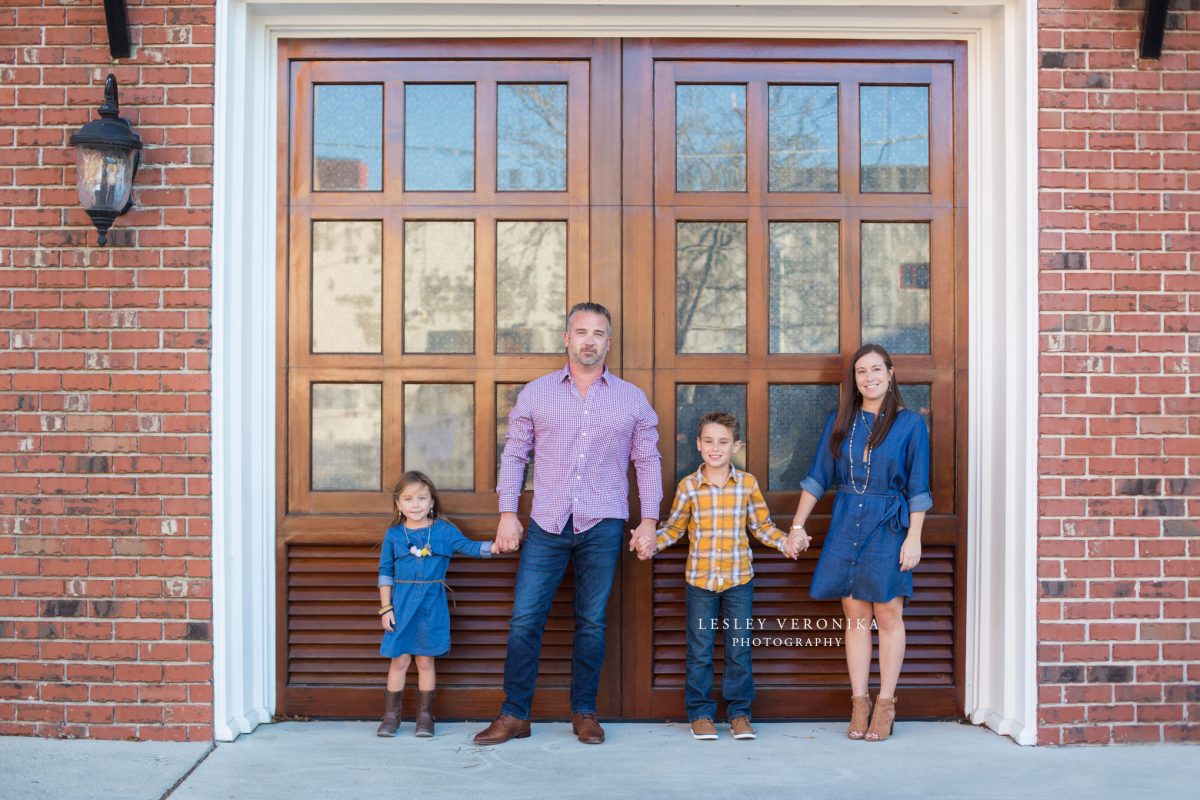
(345, 760)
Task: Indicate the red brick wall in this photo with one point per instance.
(1119, 475)
(105, 574)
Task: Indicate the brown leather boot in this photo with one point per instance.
(424, 713)
(391, 713)
(587, 728)
(860, 715)
(503, 728)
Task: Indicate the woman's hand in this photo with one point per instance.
(910, 553)
(388, 620)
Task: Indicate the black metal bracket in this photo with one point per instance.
(117, 19)
(1154, 23)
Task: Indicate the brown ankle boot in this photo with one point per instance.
(860, 714)
(424, 713)
(883, 720)
(391, 713)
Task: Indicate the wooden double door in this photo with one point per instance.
(751, 212)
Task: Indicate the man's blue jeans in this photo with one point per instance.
(706, 612)
(544, 558)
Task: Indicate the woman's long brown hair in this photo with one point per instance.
(850, 401)
(406, 480)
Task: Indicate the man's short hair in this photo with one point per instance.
(721, 418)
(593, 308)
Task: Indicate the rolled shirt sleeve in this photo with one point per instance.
(917, 465)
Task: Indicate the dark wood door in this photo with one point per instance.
(787, 202)
(750, 212)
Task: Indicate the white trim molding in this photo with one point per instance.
(1001, 37)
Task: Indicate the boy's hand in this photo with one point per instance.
(645, 548)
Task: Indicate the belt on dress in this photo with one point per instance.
(442, 582)
(896, 512)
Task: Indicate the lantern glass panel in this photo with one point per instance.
(105, 177)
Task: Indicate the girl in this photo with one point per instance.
(412, 594)
(875, 454)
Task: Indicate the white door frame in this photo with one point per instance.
(1001, 37)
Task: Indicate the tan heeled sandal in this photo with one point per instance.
(859, 715)
(883, 721)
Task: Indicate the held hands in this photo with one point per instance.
(508, 534)
(643, 540)
(797, 542)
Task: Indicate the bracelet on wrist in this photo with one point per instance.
(385, 610)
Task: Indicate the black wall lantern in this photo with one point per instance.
(107, 155)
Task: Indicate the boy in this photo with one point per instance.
(713, 506)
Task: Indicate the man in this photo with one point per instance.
(584, 425)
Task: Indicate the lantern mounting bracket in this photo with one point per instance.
(116, 16)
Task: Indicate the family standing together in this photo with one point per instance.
(583, 426)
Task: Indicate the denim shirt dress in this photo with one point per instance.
(418, 586)
(861, 554)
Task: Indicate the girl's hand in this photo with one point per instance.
(388, 620)
(910, 553)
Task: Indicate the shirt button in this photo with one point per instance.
(585, 413)
(578, 477)
(585, 433)
(860, 505)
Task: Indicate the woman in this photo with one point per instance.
(875, 454)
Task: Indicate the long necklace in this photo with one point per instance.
(853, 430)
(424, 550)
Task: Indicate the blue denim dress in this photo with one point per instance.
(418, 586)
(861, 554)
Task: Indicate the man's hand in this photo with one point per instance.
(642, 540)
(508, 533)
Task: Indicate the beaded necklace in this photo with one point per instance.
(853, 430)
(424, 550)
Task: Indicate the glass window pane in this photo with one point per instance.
(710, 138)
(797, 417)
(347, 138)
(710, 287)
(916, 398)
(346, 425)
(693, 401)
(803, 138)
(506, 398)
(439, 137)
(531, 147)
(347, 269)
(531, 286)
(439, 432)
(439, 287)
(894, 126)
(804, 287)
(895, 285)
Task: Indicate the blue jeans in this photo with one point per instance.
(707, 611)
(544, 558)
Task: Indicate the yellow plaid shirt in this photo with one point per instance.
(715, 519)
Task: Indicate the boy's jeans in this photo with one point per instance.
(544, 558)
(706, 613)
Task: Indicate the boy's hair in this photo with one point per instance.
(594, 308)
(721, 418)
(406, 480)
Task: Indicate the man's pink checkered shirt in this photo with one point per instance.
(582, 449)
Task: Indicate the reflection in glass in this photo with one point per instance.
(506, 398)
(803, 138)
(710, 287)
(916, 398)
(531, 286)
(347, 259)
(531, 147)
(439, 432)
(346, 424)
(439, 287)
(804, 287)
(895, 285)
(894, 126)
(710, 138)
(693, 401)
(347, 138)
(798, 415)
(439, 137)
